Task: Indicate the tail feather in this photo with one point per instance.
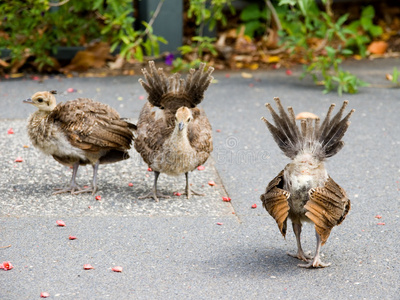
(173, 92)
(321, 141)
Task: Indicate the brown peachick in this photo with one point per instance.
(173, 134)
(78, 132)
(303, 191)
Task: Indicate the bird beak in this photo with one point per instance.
(181, 125)
(29, 100)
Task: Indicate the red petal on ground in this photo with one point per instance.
(71, 237)
(226, 199)
(378, 217)
(35, 78)
(10, 131)
(289, 72)
(117, 269)
(87, 267)
(60, 223)
(150, 169)
(19, 159)
(130, 184)
(218, 130)
(141, 97)
(219, 223)
(212, 183)
(251, 84)
(227, 75)
(177, 194)
(254, 206)
(7, 265)
(71, 90)
(201, 168)
(98, 197)
(381, 223)
(44, 295)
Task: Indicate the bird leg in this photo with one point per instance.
(316, 261)
(300, 253)
(188, 190)
(72, 186)
(154, 194)
(93, 188)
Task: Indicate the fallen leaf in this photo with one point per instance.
(289, 72)
(247, 75)
(98, 197)
(274, 59)
(10, 131)
(6, 265)
(381, 223)
(201, 168)
(211, 182)
(17, 75)
(117, 269)
(60, 223)
(389, 77)
(254, 66)
(71, 237)
(226, 199)
(130, 184)
(44, 295)
(306, 115)
(219, 223)
(254, 206)
(120, 98)
(377, 47)
(378, 217)
(87, 267)
(26, 146)
(19, 159)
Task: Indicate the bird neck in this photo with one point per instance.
(180, 137)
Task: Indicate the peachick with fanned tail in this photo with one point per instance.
(303, 191)
(174, 135)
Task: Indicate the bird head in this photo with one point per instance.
(183, 116)
(44, 101)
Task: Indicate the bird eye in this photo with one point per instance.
(189, 119)
(40, 99)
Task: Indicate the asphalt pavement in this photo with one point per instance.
(201, 248)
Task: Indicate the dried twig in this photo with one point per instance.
(5, 247)
(274, 14)
(58, 4)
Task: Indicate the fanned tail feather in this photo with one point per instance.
(321, 141)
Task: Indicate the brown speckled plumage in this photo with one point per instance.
(303, 191)
(78, 132)
(173, 135)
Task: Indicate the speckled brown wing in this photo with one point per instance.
(275, 201)
(152, 132)
(327, 207)
(200, 135)
(92, 126)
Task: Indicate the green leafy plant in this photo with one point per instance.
(254, 19)
(320, 41)
(37, 27)
(360, 32)
(204, 12)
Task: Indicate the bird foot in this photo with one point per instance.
(69, 189)
(315, 263)
(86, 190)
(300, 255)
(192, 192)
(154, 195)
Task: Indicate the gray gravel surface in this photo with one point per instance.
(174, 249)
